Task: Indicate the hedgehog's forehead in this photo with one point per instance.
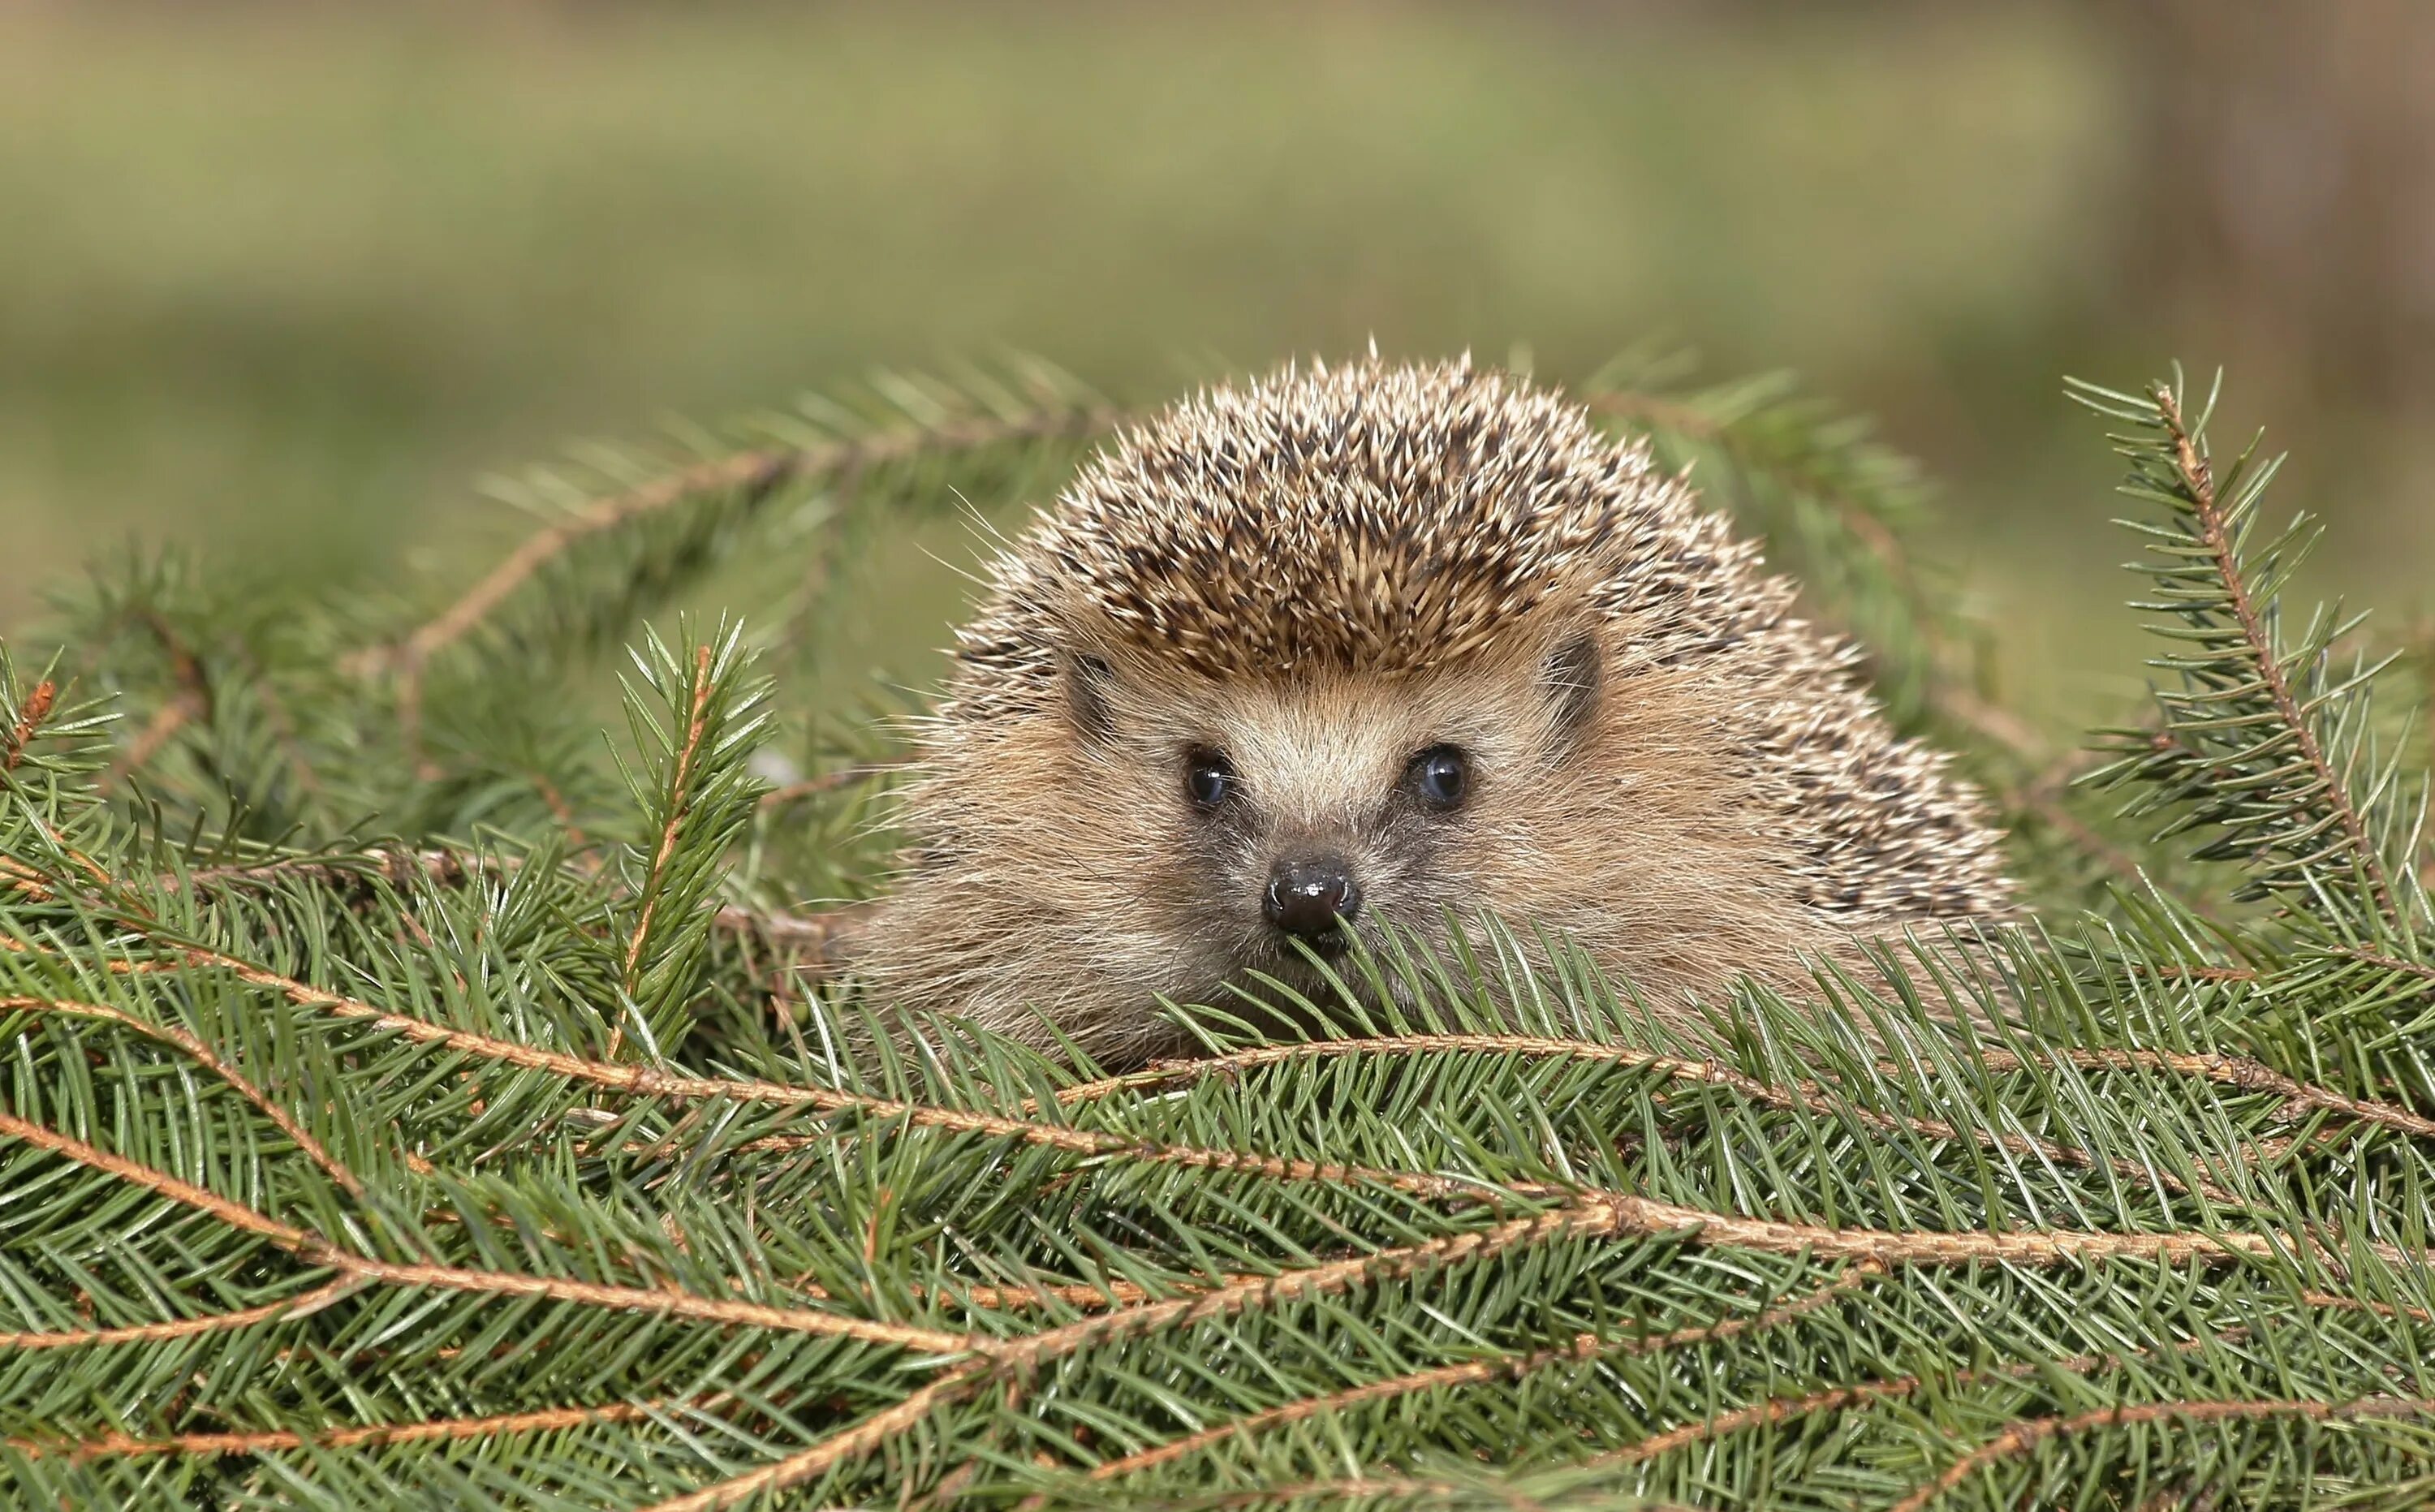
(1371, 520)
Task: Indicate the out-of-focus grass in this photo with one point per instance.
(282, 281)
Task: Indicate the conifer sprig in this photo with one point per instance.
(2270, 743)
(501, 1161)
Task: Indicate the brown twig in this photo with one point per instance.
(1629, 1213)
(2231, 1071)
(757, 472)
(304, 1304)
(1783, 1409)
(2383, 962)
(985, 1299)
(2023, 1436)
(192, 701)
(1367, 1488)
(2197, 481)
(643, 1081)
(165, 722)
(1586, 1348)
(546, 1420)
(1018, 1359)
(817, 939)
(1606, 1214)
(828, 783)
(202, 1055)
(821, 941)
(1610, 1214)
(838, 1448)
(1804, 1096)
(315, 1250)
(679, 805)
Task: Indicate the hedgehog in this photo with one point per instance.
(1374, 644)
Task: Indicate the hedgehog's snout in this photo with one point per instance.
(1309, 896)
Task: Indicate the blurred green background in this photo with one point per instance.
(282, 281)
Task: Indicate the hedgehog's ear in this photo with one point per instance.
(1089, 680)
(1571, 676)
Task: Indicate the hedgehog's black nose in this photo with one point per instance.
(1308, 896)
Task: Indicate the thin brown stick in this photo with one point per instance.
(823, 939)
(318, 1251)
(165, 722)
(202, 1054)
(1022, 1354)
(2197, 479)
(816, 939)
(1629, 1213)
(283, 727)
(838, 1448)
(1772, 1410)
(1901, 1248)
(192, 701)
(1610, 1214)
(1016, 1359)
(1509, 1366)
(30, 714)
(1613, 1214)
(985, 1299)
(678, 806)
(2384, 962)
(546, 1420)
(1784, 1409)
(828, 783)
(1805, 1096)
(450, 868)
(643, 1081)
(756, 471)
(304, 1304)
(2022, 1437)
(1360, 1488)
(2248, 1076)
(2231, 1071)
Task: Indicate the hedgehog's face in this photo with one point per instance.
(1258, 817)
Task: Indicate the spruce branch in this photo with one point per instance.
(2264, 742)
(302, 1305)
(826, 445)
(1808, 1096)
(192, 701)
(322, 1254)
(698, 716)
(1583, 1349)
(2025, 1438)
(547, 1421)
(325, 1176)
(202, 1055)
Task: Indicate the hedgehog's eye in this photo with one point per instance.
(1441, 775)
(1208, 776)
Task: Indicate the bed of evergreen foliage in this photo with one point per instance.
(412, 1098)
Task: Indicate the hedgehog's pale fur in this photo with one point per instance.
(1323, 572)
